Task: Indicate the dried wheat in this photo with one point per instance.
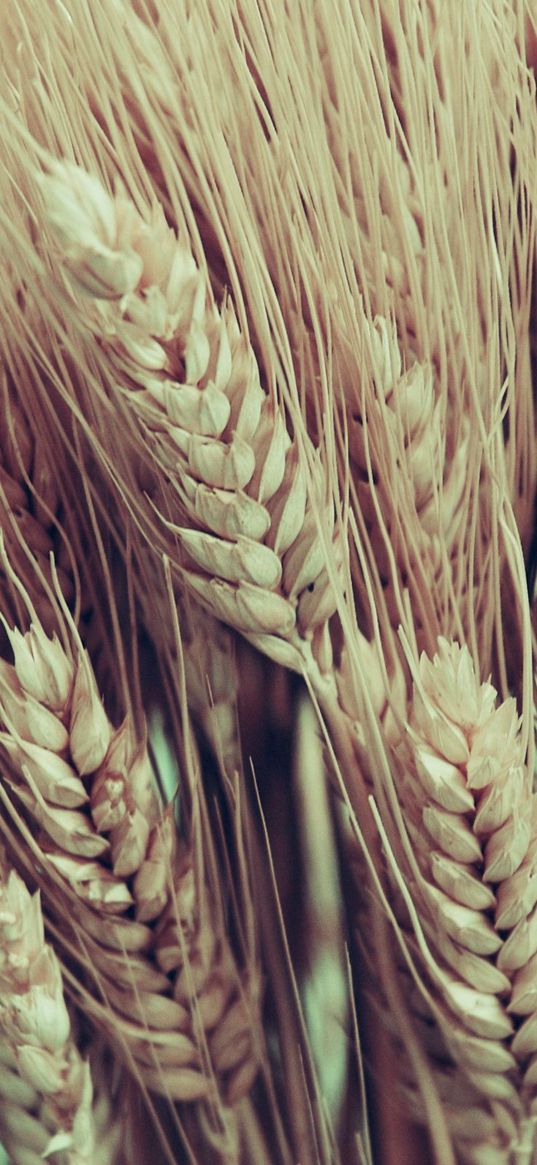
(468, 805)
(46, 1090)
(255, 551)
(112, 852)
(398, 92)
(411, 480)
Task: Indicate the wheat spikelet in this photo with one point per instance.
(411, 483)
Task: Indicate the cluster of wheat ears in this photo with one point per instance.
(268, 458)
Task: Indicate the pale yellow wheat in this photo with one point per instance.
(467, 802)
(45, 1089)
(256, 557)
(112, 851)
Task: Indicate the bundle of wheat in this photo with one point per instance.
(267, 472)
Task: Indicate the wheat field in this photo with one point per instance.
(268, 465)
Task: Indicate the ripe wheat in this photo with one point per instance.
(469, 808)
(134, 900)
(268, 294)
(194, 381)
(46, 1091)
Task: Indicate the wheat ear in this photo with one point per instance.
(381, 208)
(255, 554)
(190, 945)
(467, 800)
(46, 1090)
(410, 484)
(112, 851)
(254, 544)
